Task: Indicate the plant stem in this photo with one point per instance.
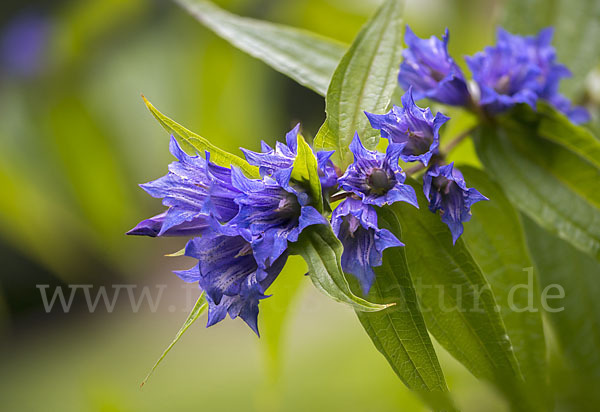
(457, 140)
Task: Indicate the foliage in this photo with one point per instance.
(482, 297)
(535, 159)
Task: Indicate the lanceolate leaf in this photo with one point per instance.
(552, 185)
(198, 309)
(458, 303)
(573, 308)
(308, 58)
(556, 127)
(399, 332)
(306, 171)
(495, 238)
(365, 79)
(322, 251)
(192, 142)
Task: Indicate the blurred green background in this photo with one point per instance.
(76, 139)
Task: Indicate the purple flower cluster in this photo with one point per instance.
(239, 227)
(373, 179)
(413, 135)
(518, 69)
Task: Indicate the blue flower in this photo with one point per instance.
(228, 273)
(376, 177)
(274, 161)
(197, 192)
(153, 226)
(414, 130)
(327, 172)
(445, 188)
(431, 72)
(522, 69)
(355, 224)
(272, 213)
(278, 161)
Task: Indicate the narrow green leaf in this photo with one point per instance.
(399, 332)
(322, 251)
(192, 142)
(364, 80)
(556, 126)
(496, 240)
(308, 58)
(569, 280)
(552, 185)
(306, 171)
(197, 310)
(458, 303)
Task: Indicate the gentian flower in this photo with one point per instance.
(445, 188)
(327, 173)
(431, 72)
(376, 177)
(414, 130)
(355, 224)
(272, 213)
(521, 69)
(228, 273)
(197, 192)
(272, 161)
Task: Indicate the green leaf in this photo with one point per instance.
(364, 80)
(556, 127)
(192, 142)
(322, 251)
(198, 309)
(306, 171)
(458, 303)
(575, 317)
(496, 240)
(552, 185)
(399, 332)
(577, 32)
(308, 58)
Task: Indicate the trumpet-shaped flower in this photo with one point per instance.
(272, 213)
(355, 224)
(376, 177)
(522, 69)
(446, 190)
(228, 273)
(327, 173)
(414, 130)
(274, 161)
(431, 72)
(196, 191)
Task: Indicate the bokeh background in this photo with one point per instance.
(76, 139)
